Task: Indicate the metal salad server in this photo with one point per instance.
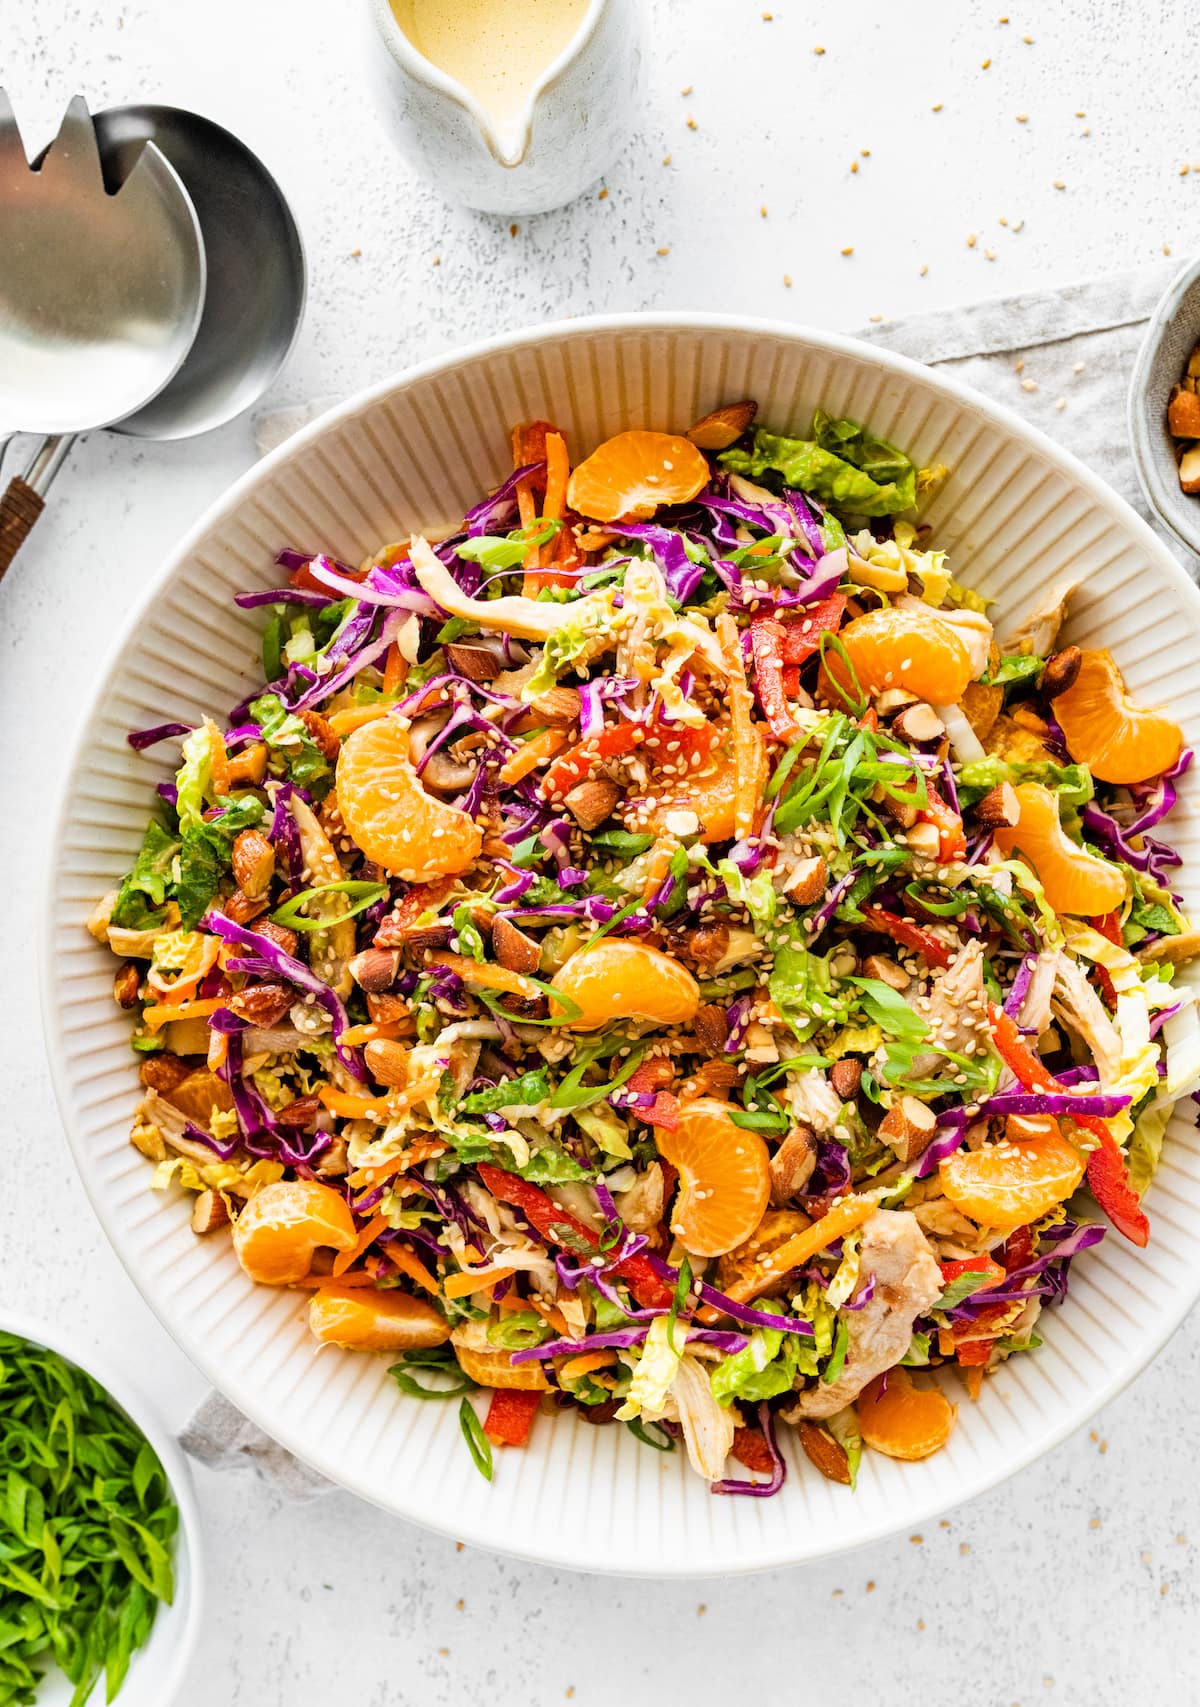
(257, 279)
(100, 294)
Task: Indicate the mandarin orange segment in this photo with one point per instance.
(1074, 879)
(724, 1178)
(1117, 740)
(909, 649)
(281, 1227)
(199, 1094)
(630, 475)
(389, 815)
(365, 1319)
(901, 1420)
(626, 980)
(494, 1369)
(1009, 1184)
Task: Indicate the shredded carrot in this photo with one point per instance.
(574, 1367)
(218, 1049)
(354, 1035)
(745, 741)
(163, 1013)
(549, 1313)
(478, 975)
(526, 507)
(558, 470)
(352, 1107)
(395, 670)
(474, 1280)
(423, 1150)
(530, 754)
(847, 1213)
(345, 722)
(409, 1263)
(358, 1278)
(346, 1259)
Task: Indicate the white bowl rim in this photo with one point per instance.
(178, 1472)
(667, 323)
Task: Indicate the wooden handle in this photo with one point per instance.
(20, 508)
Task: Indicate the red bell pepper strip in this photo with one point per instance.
(974, 1353)
(1109, 925)
(663, 1111)
(802, 633)
(1018, 1250)
(510, 1416)
(685, 742)
(981, 1264)
(545, 1215)
(766, 643)
(1106, 1170)
(750, 1448)
(308, 583)
(909, 935)
(1109, 1179)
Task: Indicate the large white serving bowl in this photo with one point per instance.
(157, 1669)
(414, 452)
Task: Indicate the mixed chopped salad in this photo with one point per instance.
(661, 953)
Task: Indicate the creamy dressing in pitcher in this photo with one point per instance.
(497, 49)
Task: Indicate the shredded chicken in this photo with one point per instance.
(1077, 1005)
(896, 1253)
(812, 1099)
(1035, 1008)
(956, 1000)
(707, 1426)
(641, 1207)
(1037, 633)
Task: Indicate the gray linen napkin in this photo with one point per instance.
(1061, 358)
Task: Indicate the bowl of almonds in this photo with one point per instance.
(1164, 409)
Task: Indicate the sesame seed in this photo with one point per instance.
(849, 249)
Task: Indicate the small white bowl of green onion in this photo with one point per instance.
(100, 1566)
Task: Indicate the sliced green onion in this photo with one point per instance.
(478, 1444)
(660, 1440)
(362, 895)
(415, 1384)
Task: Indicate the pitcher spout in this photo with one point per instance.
(508, 144)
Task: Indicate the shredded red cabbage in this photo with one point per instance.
(759, 1490)
(296, 972)
(140, 739)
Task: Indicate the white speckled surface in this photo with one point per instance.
(1077, 1583)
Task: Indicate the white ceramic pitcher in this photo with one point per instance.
(574, 123)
